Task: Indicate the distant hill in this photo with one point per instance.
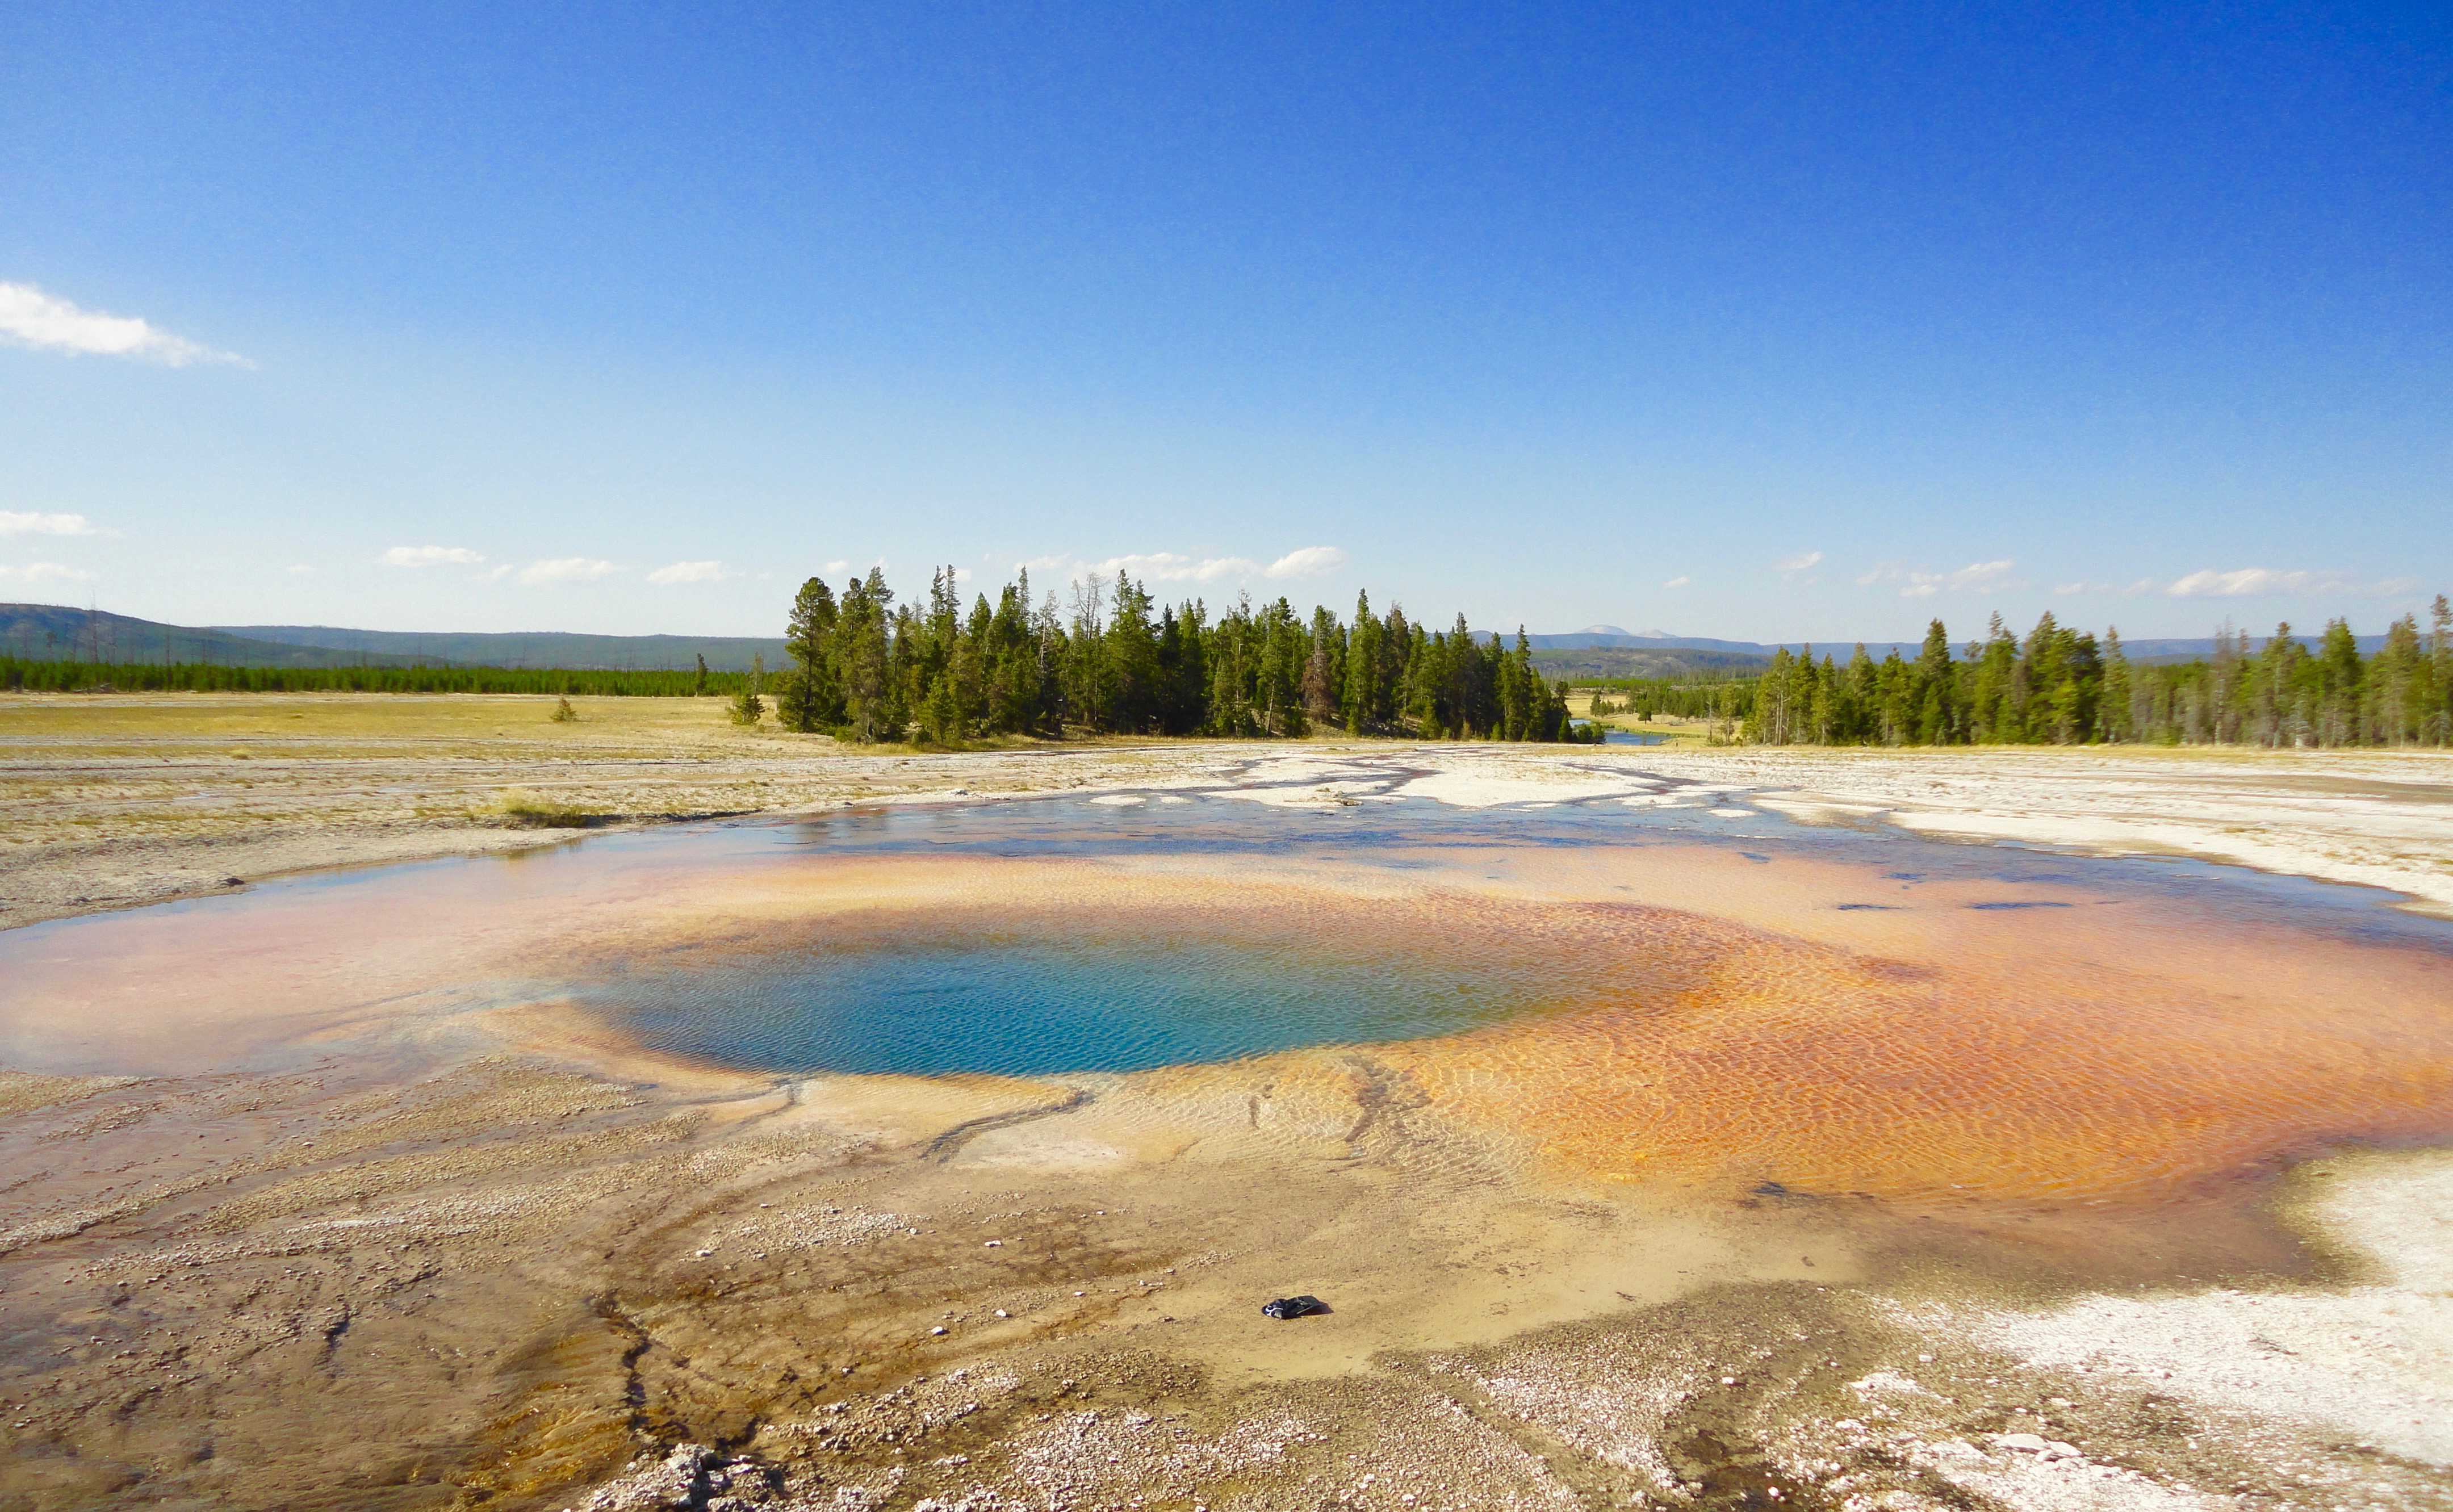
(58, 632)
(1609, 636)
(53, 632)
(1630, 661)
(724, 653)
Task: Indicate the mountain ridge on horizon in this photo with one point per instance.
(50, 632)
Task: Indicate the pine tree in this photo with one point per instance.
(2338, 667)
(1363, 660)
(747, 707)
(864, 658)
(812, 696)
(2437, 728)
(942, 711)
(1937, 690)
(2115, 720)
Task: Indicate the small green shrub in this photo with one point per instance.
(522, 811)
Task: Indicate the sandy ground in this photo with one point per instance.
(559, 1274)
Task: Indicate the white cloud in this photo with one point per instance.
(48, 323)
(2264, 583)
(2066, 590)
(1797, 563)
(1978, 575)
(1677, 583)
(689, 572)
(1165, 567)
(837, 568)
(299, 568)
(423, 556)
(1921, 585)
(1310, 562)
(47, 572)
(14, 522)
(567, 570)
(1173, 567)
(1156, 567)
(2244, 584)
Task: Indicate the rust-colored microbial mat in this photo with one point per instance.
(1826, 1071)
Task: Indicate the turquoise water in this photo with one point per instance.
(1036, 1008)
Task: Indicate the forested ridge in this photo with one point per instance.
(48, 676)
(2062, 686)
(865, 667)
(1116, 661)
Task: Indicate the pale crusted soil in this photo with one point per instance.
(113, 802)
(2379, 819)
(510, 1286)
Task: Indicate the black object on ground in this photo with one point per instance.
(1293, 1307)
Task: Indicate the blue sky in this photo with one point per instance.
(1750, 321)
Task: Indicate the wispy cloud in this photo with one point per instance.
(16, 521)
(1799, 562)
(690, 573)
(1173, 567)
(1677, 583)
(426, 556)
(1310, 562)
(567, 570)
(30, 317)
(1167, 566)
(1917, 584)
(2264, 583)
(299, 568)
(1154, 566)
(45, 573)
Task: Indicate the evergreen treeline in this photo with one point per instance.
(18, 674)
(866, 668)
(2064, 688)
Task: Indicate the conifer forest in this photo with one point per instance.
(1115, 660)
(2061, 687)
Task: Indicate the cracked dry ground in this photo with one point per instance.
(508, 1286)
